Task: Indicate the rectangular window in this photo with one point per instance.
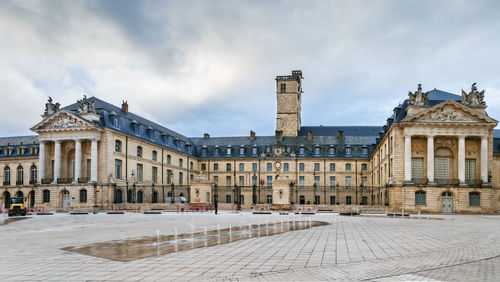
(228, 167)
(181, 178)
(139, 151)
(348, 182)
(301, 167)
(254, 167)
(216, 179)
(348, 200)
(332, 182)
(332, 200)
(316, 181)
(301, 182)
(228, 199)
(470, 169)
(417, 168)
(269, 199)
(332, 167)
(118, 169)
(216, 167)
(316, 199)
(316, 167)
(46, 196)
(242, 167)
(181, 162)
(228, 180)
(155, 175)
(242, 180)
(348, 167)
(364, 167)
(83, 196)
(169, 159)
(154, 155)
(420, 198)
(269, 182)
(139, 172)
(285, 167)
(203, 167)
(269, 167)
(441, 167)
(254, 180)
(283, 87)
(364, 181)
(169, 176)
(474, 199)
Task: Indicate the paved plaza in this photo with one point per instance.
(442, 247)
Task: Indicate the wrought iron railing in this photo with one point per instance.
(64, 180)
(474, 182)
(6, 182)
(47, 180)
(19, 182)
(83, 180)
(447, 182)
(419, 181)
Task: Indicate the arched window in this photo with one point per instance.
(348, 167)
(20, 194)
(6, 176)
(139, 151)
(83, 196)
(242, 150)
(216, 151)
(254, 150)
(317, 150)
(118, 196)
(332, 166)
(20, 175)
(474, 199)
(203, 167)
(118, 146)
(33, 174)
(331, 150)
(46, 196)
(229, 150)
(154, 197)
(348, 150)
(169, 159)
(420, 199)
(139, 196)
(302, 151)
(181, 162)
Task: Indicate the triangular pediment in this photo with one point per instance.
(62, 120)
(450, 112)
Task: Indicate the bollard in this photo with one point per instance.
(192, 238)
(175, 238)
(310, 222)
(218, 234)
(230, 233)
(158, 237)
(206, 237)
(267, 229)
(281, 226)
(249, 230)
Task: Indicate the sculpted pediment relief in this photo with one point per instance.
(452, 112)
(62, 120)
(447, 114)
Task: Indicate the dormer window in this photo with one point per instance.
(114, 118)
(34, 150)
(268, 150)
(255, 150)
(216, 151)
(204, 151)
(135, 127)
(164, 138)
(348, 150)
(229, 150)
(317, 150)
(151, 132)
(177, 142)
(331, 150)
(364, 150)
(188, 147)
(302, 150)
(242, 150)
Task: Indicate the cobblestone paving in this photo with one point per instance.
(458, 247)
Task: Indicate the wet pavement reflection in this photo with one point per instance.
(133, 249)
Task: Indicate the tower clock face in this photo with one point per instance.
(277, 165)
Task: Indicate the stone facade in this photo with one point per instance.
(437, 153)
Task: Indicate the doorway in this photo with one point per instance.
(65, 199)
(447, 202)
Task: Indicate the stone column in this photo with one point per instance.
(78, 160)
(93, 161)
(57, 161)
(408, 158)
(41, 162)
(461, 159)
(484, 159)
(430, 159)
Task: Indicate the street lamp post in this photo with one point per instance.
(172, 193)
(237, 195)
(216, 197)
(254, 187)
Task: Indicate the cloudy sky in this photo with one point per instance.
(209, 66)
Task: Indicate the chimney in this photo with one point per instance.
(309, 135)
(279, 135)
(206, 136)
(341, 135)
(252, 135)
(125, 107)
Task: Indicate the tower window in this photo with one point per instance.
(282, 87)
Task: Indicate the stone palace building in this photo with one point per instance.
(438, 152)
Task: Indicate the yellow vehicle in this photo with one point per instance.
(17, 206)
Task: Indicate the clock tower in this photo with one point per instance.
(288, 95)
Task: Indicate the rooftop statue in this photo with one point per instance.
(86, 105)
(419, 98)
(474, 98)
(50, 108)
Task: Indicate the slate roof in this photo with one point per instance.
(14, 143)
